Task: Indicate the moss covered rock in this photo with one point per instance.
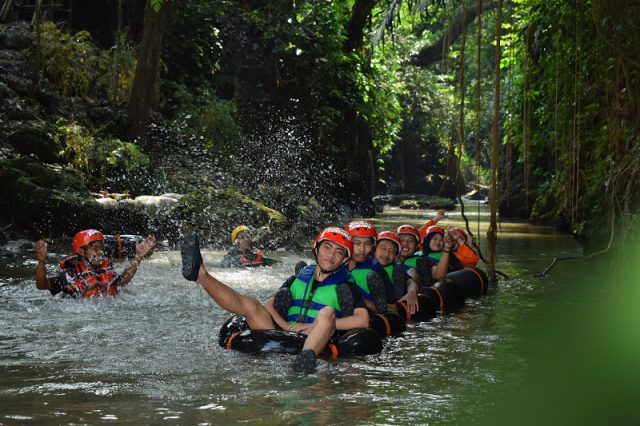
(55, 202)
(214, 213)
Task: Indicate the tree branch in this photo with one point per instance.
(434, 53)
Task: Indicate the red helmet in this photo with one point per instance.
(408, 229)
(362, 228)
(458, 232)
(336, 235)
(85, 237)
(435, 229)
(391, 236)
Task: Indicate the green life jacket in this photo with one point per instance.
(389, 270)
(359, 274)
(436, 255)
(309, 296)
(410, 262)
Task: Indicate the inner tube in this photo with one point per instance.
(445, 295)
(427, 309)
(387, 324)
(120, 247)
(473, 282)
(236, 334)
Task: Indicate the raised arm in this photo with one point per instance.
(42, 282)
(143, 248)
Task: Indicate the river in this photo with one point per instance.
(150, 356)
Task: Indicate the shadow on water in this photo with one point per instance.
(151, 355)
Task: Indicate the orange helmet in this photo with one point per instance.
(336, 235)
(458, 232)
(408, 229)
(435, 229)
(362, 228)
(83, 238)
(391, 236)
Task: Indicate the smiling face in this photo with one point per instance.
(386, 252)
(362, 248)
(330, 255)
(437, 242)
(408, 244)
(93, 252)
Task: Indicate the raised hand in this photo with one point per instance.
(41, 251)
(145, 246)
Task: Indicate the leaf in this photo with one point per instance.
(156, 5)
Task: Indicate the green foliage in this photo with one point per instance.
(206, 116)
(69, 60)
(306, 42)
(114, 156)
(212, 119)
(77, 68)
(193, 47)
(116, 69)
(156, 5)
(76, 143)
(572, 63)
(106, 162)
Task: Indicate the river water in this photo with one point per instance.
(150, 356)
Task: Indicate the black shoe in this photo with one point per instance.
(299, 266)
(191, 257)
(345, 299)
(377, 291)
(399, 277)
(282, 301)
(305, 362)
(423, 270)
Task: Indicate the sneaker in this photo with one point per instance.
(345, 299)
(191, 257)
(299, 266)
(377, 291)
(282, 302)
(423, 270)
(305, 362)
(399, 278)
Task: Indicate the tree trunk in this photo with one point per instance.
(360, 15)
(495, 141)
(144, 94)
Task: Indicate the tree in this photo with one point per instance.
(144, 94)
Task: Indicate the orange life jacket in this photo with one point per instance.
(466, 256)
(89, 281)
(248, 262)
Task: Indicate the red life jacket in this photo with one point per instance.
(89, 281)
(255, 262)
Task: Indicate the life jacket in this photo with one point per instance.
(389, 270)
(309, 296)
(247, 261)
(410, 262)
(360, 272)
(467, 257)
(454, 263)
(89, 281)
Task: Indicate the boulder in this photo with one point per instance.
(214, 213)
